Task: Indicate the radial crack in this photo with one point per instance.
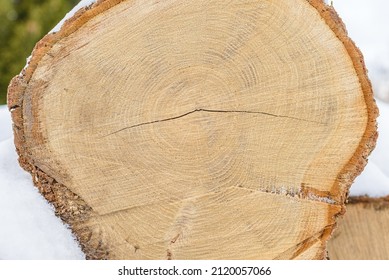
(212, 111)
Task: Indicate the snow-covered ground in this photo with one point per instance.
(30, 229)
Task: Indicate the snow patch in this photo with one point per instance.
(28, 60)
(321, 199)
(30, 229)
(5, 124)
(283, 190)
(79, 6)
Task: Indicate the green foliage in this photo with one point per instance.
(22, 24)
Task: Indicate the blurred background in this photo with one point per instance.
(22, 24)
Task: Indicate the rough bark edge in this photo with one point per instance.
(53, 191)
(379, 204)
(71, 208)
(358, 161)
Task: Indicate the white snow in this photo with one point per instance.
(28, 60)
(29, 228)
(80, 5)
(5, 124)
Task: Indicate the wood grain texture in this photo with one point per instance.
(363, 232)
(196, 129)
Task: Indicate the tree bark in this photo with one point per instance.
(196, 129)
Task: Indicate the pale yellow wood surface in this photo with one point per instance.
(363, 233)
(235, 223)
(197, 129)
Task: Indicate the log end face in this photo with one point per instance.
(84, 221)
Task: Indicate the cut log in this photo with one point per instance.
(363, 232)
(196, 129)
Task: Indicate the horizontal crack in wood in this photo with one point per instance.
(212, 111)
(292, 195)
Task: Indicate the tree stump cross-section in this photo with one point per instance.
(196, 129)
